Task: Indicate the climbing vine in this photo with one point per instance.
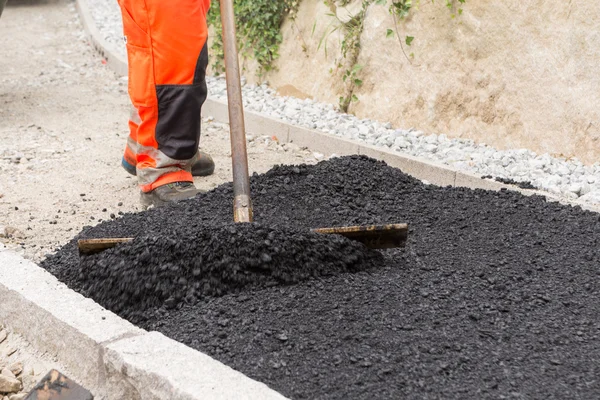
(350, 47)
(401, 9)
(258, 25)
(350, 50)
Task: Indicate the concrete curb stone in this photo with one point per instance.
(103, 352)
(197, 373)
(420, 169)
(113, 60)
(56, 319)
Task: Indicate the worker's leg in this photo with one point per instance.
(203, 166)
(167, 56)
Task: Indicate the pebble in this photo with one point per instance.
(11, 232)
(282, 336)
(592, 197)
(7, 372)
(16, 368)
(401, 143)
(9, 385)
(575, 188)
(11, 351)
(585, 189)
(291, 147)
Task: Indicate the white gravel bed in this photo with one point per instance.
(569, 178)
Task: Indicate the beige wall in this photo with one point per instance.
(511, 73)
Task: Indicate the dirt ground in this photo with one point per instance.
(63, 126)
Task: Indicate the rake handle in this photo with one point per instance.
(242, 204)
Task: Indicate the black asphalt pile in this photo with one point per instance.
(496, 295)
(199, 261)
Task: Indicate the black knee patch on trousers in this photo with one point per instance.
(178, 126)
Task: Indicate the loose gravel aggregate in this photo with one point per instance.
(197, 261)
(569, 178)
(495, 296)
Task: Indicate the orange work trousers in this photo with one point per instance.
(167, 59)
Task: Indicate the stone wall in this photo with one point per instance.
(512, 73)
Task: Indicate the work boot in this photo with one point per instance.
(204, 166)
(168, 193)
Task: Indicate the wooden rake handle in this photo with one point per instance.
(242, 204)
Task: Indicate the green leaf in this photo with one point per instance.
(356, 68)
(354, 98)
(358, 82)
(389, 33)
(460, 11)
(409, 40)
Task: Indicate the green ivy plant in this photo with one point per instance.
(258, 30)
(401, 9)
(258, 24)
(350, 48)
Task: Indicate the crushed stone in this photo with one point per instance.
(198, 260)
